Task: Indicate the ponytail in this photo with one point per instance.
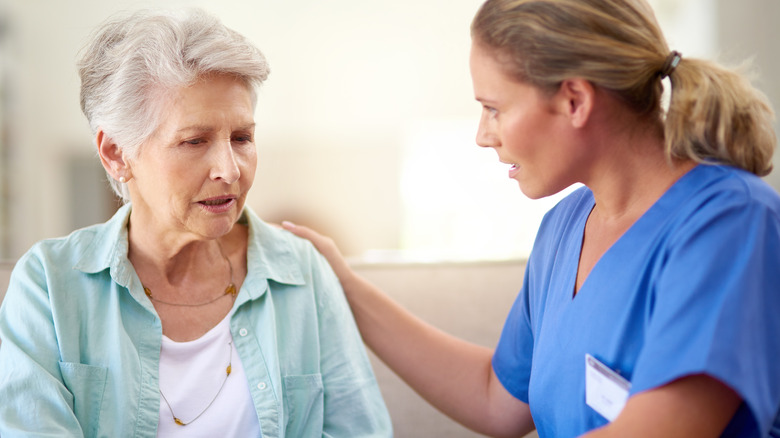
(716, 115)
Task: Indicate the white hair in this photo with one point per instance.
(133, 62)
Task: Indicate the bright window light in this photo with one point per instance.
(458, 201)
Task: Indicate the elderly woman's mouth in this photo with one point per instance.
(218, 204)
(216, 201)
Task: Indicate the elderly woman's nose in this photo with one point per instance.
(224, 165)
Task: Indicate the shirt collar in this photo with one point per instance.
(109, 244)
(270, 252)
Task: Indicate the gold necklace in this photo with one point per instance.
(227, 374)
(229, 290)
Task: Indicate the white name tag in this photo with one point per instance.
(605, 390)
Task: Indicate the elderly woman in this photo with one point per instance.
(184, 313)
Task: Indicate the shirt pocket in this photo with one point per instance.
(87, 383)
(304, 400)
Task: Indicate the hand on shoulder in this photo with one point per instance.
(326, 246)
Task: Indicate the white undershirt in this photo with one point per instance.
(191, 374)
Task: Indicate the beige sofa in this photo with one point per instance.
(5, 273)
(470, 300)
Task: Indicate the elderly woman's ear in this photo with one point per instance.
(111, 157)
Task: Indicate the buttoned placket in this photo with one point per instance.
(267, 404)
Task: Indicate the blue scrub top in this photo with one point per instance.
(692, 287)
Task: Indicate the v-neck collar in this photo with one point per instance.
(656, 216)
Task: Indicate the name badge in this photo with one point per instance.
(605, 390)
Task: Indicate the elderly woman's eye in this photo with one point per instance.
(242, 139)
(193, 141)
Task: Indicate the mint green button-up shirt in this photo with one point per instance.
(81, 342)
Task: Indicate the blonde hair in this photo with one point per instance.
(714, 114)
(132, 62)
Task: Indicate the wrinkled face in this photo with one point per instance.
(526, 127)
(193, 174)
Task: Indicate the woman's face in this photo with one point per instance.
(193, 174)
(526, 127)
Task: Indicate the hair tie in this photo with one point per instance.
(671, 63)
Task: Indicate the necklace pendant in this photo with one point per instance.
(179, 422)
(231, 290)
(148, 292)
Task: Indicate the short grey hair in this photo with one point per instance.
(132, 62)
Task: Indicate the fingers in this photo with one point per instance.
(307, 233)
(289, 226)
(324, 244)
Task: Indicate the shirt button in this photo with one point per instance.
(243, 332)
(261, 386)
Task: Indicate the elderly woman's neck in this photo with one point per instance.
(171, 258)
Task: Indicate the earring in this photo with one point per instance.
(122, 179)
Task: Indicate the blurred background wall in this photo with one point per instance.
(365, 126)
(365, 131)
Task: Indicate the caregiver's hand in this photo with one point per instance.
(327, 247)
